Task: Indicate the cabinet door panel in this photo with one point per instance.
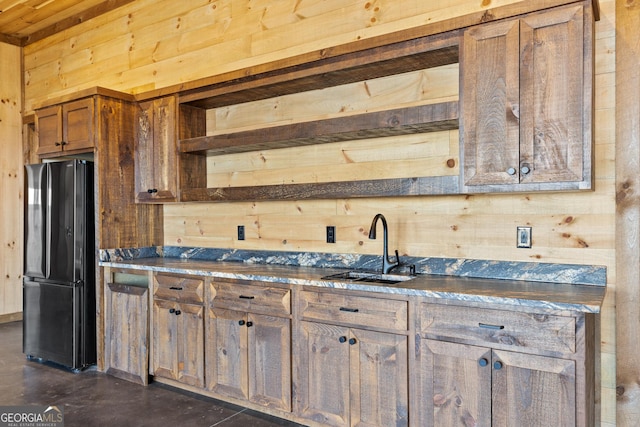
(126, 332)
(191, 344)
(227, 367)
(533, 390)
(270, 361)
(379, 379)
(552, 82)
(77, 124)
(49, 127)
(491, 104)
(455, 388)
(322, 391)
(165, 340)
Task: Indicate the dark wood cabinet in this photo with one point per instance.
(527, 102)
(66, 128)
(156, 151)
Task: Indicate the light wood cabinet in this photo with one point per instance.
(67, 128)
(495, 367)
(127, 325)
(526, 97)
(178, 329)
(346, 373)
(248, 343)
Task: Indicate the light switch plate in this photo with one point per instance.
(523, 237)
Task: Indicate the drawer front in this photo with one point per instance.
(499, 327)
(260, 298)
(356, 310)
(187, 289)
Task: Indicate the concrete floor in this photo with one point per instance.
(93, 399)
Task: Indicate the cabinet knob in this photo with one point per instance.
(172, 310)
(249, 324)
(483, 362)
(511, 171)
(352, 341)
(342, 339)
(58, 144)
(525, 169)
(152, 190)
(497, 365)
(178, 312)
(241, 322)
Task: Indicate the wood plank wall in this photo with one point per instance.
(11, 183)
(151, 44)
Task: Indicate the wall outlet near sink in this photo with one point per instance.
(331, 234)
(523, 237)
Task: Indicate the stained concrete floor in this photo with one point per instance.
(94, 399)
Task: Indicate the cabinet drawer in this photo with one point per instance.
(499, 327)
(252, 298)
(355, 310)
(179, 288)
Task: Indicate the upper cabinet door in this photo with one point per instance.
(552, 75)
(490, 103)
(527, 103)
(49, 127)
(77, 125)
(156, 151)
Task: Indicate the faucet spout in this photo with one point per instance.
(387, 264)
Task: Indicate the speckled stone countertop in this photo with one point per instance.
(536, 293)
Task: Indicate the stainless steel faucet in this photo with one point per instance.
(387, 265)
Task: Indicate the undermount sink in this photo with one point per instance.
(361, 276)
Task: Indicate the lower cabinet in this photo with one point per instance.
(178, 329)
(468, 385)
(347, 375)
(127, 325)
(352, 376)
(500, 368)
(248, 343)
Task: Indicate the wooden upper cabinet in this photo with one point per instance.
(67, 128)
(527, 102)
(156, 151)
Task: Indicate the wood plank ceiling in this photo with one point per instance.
(25, 21)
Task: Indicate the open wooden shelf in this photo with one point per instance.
(402, 121)
(392, 187)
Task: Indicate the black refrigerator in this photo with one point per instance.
(59, 308)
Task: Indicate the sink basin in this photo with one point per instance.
(361, 276)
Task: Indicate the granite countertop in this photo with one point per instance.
(521, 293)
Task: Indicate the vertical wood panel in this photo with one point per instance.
(628, 212)
(11, 180)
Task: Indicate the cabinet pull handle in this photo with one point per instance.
(352, 341)
(342, 339)
(246, 296)
(241, 322)
(489, 326)
(483, 362)
(176, 288)
(350, 310)
(497, 365)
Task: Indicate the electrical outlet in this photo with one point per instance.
(523, 237)
(331, 234)
(241, 232)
